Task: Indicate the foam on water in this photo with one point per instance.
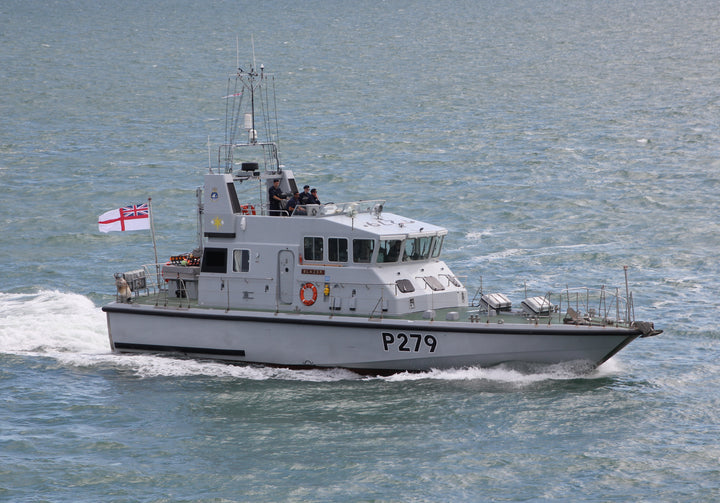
(478, 235)
(51, 322)
(516, 377)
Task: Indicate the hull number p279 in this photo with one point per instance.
(409, 342)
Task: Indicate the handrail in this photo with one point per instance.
(378, 303)
(591, 305)
(599, 303)
(582, 305)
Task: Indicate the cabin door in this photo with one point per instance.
(286, 283)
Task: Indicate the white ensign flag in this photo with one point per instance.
(128, 218)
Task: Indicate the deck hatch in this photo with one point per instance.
(433, 283)
(405, 285)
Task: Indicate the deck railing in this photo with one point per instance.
(601, 305)
(579, 305)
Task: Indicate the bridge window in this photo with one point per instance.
(363, 250)
(417, 248)
(337, 249)
(313, 248)
(389, 250)
(241, 260)
(214, 260)
(437, 246)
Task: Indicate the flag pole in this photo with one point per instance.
(152, 231)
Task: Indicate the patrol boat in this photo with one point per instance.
(337, 285)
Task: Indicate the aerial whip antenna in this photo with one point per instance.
(209, 155)
(252, 42)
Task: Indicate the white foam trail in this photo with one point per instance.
(71, 329)
(502, 374)
(478, 235)
(50, 321)
(160, 366)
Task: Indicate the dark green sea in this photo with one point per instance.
(557, 141)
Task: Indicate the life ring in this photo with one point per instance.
(308, 302)
(247, 209)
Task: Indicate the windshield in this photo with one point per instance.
(417, 248)
(389, 250)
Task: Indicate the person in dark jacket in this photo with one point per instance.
(275, 197)
(313, 199)
(305, 195)
(295, 206)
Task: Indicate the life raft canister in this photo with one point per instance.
(309, 301)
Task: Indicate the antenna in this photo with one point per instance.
(209, 155)
(237, 51)
(252, 42)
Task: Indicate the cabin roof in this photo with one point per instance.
(387, 225)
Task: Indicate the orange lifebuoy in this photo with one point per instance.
(247, 209)
(308, 302)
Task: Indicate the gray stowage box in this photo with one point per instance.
(537, 306)
(496, 301)
(183, 279)
(136, 280)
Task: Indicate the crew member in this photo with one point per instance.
(294, 205)
(275, 196)
(305, 196)
(313, 197)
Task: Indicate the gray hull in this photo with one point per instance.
(360, 344)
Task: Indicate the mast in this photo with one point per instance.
(241, 115)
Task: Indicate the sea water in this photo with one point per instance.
(556, 141)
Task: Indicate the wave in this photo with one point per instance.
(50, 322)
(71, 329)
(519, 377)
